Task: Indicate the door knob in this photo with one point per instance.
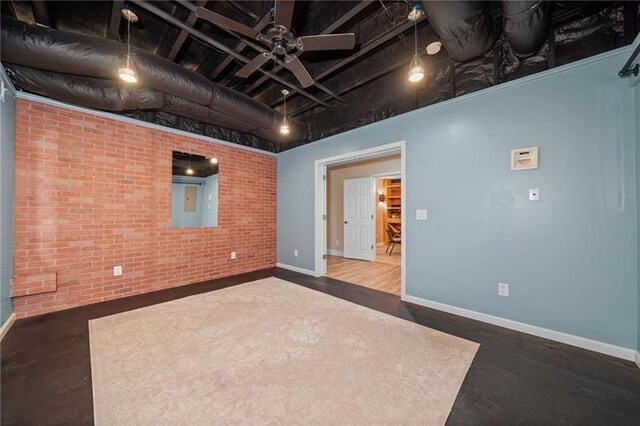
(345, 222)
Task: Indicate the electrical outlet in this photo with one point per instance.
(117, 270)
(233, 254)
(295, 252)
(503, 289)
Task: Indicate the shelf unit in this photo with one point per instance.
(393, 201)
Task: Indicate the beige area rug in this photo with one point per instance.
(271, 352)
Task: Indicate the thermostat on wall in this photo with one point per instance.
(524, 158)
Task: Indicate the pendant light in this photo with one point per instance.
(189, 169)
(127, 71)
(284, 128)
(416, 69)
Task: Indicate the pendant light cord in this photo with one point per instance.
(415, 34)
(128, 41)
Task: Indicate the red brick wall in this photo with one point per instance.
(93, 192)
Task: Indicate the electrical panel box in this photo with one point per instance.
(524, 158)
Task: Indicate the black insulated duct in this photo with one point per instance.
(86, 91)
(526, 25)
(464, 27)
(108, 95)
(82, 70)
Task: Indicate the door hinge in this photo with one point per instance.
(324, 177)
(371, 246)
(324, 217)
(324, 257)
(371, 216)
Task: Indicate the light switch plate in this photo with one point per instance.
(534, 194)
(503, 289)
(421, 214)
(233, 255)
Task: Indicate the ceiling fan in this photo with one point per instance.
(280, 40)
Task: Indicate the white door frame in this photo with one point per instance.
(320, 207)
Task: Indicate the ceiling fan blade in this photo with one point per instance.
(284, 13)
(259, 60)
(224, 22)
(327, 42)
(294, 65)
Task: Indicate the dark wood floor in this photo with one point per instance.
(514, 379)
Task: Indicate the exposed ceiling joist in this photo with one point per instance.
(433, 64)
(182, 37)
(41, 13)
(359, 6)
(240, 47)
(113, 26)
(216, 44)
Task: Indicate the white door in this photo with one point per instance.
(359, 218)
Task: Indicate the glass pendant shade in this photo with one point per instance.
(284, 128)
(127, 71)
(416, 71)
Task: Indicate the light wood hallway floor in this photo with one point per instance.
(382, 275)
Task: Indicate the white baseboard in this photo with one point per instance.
(569, 339)
(296, 269)
(7, 325)
(335, 252)
(638, 359)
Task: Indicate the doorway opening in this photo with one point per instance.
(360, 201)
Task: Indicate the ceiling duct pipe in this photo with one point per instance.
(89, 92)
(465, 28)
(108, 95)
(78, 55)
(526, 25)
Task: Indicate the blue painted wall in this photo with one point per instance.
(7, 182)
(637, 113)
(571, 258)
(635, 83)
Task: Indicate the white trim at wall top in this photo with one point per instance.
(7, 325)
(296, 269)
(569, 339)
(116, 117)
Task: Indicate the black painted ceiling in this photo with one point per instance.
(368, 83)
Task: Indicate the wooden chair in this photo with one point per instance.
(394, 238)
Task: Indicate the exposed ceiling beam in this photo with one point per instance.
(243, 9)
(113, 28)
(261, 49)
(182, 37)
(359, 6)
(216, 44)
(240, 47)
(431, 64)
(366, 48)
(41, 13)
